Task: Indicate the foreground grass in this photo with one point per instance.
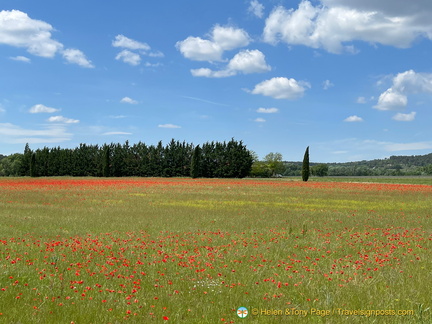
(193, 251)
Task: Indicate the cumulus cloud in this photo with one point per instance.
(404, 84)
(332, 25)
(405, 117)
(129, 101)
(129, 57)
(21, 59)
(221, 39)
(229, 38)
(132, 50)
(125, 42)
(249, 61)
(61, 119)
(168, 126)
(391, 99)
(353, 119)
(260, 120)
(37, 109)
(246, 62)
(256, 8)
(267, 110)
(77, 57)
(19, 30)
(281, 88)
(198, 49)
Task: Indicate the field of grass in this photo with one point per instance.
(87, 250)
(426, 180)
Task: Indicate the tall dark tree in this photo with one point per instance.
(106, 162)
(305, 166)
(25, 165)
(195, 168)
(33, 172)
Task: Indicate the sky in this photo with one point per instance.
(350, 79)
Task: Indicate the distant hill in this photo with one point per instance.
(394, 165)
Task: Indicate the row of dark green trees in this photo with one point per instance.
(176, 159)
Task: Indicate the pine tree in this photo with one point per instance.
(195, 168)
(305, 166)
(106, 162)
(33, 165)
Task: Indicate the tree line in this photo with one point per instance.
(273, 166)
(176, 159)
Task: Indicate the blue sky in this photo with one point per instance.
(352, 81)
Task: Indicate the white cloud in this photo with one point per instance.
(405, 117)
(332, 25)
(77, 57)
(168, 126)
(117, 133)
(129, 101)
(392, 147)
(281, 88)
(125, 42)
(208, 73)
(420, 8)
(404, 84)
(412, 82)
(256, 8)
(117, 116)
(21, 59)
(156, 54)
(260, 120)
(267, 110)
(198, 49)
(10, 133)
(37, 109)
(61, 119)
(327, 84)
(353, 118)
(152, 65)
(129, 45)
(361, 100)
(129, 57)
(221, 39)
(19, 30)
(391, 100)
(365, 149)
(247, 61)
(229, 38)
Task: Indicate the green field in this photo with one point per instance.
(144, 250)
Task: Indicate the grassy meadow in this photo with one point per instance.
(153, 250)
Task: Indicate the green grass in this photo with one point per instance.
(138, 250)
(425, 180)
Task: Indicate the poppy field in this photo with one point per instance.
(144, 250)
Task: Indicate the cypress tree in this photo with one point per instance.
(33, 165)
(305, 166)
(195, 168)
(106, 162)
